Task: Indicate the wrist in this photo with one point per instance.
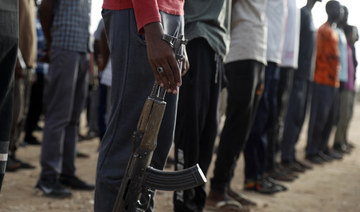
(153, 29)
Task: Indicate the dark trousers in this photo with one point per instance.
(8, 51)
(245, 86)
(298, 104)
(256, 147)
(102, 109)
(321, 118)
(7, 64)
(197, 119)
(275, 134)
(35, 105)
(65, 94)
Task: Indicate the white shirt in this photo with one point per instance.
(248, 31)
(290, 52)
(276, 13)
(106, 76)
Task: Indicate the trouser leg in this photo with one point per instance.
(275, 134)
(294, 119)
(71, 130)
(321, 104)
(245, 85)
(332, 94)
(35, 105)
(196, 123)
(60, 98)
(7, 64)
(254, 152)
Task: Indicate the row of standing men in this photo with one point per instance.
(249, 48)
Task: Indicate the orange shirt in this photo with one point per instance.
(327, 57)
(147, 11)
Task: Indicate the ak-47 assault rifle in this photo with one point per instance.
(140, 180)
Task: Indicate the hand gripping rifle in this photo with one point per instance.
(140, 179)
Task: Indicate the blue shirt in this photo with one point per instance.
(70, 28)
(343, 74)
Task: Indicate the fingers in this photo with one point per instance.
(166, 78)
(157, 76)
(185, 67)
(171, 78)
(176, 72)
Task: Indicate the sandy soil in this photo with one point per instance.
(334, 186)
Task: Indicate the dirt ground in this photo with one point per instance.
(331, 187)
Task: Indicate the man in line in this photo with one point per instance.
(66, 29)
(346, 90)
(256, 147)
(134, 30)
(208, 33)
(244, 68)
(24, 68)
(303, 77)
(326, 82)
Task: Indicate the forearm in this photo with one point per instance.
(46, 18)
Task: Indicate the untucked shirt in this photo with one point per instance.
(275, 13)
(327, 56)
(307, 46)
(343, 74)
(248, 31)
(147, 11)
(70, 28)
(210, 20)
(290, 51)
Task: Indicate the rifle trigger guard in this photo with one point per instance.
(146, 205)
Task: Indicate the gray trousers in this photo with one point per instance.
(132, 80)
(347, 98)
(65, 93)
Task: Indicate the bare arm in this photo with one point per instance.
(46, 18)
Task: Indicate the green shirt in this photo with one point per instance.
(209, 20)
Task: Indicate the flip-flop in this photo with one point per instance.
(226, 205)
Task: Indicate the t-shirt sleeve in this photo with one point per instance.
(146, 11)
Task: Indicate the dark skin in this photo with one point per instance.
(310, 4)
(160, 54)
(46, 19)
(334, 12)
(101, 51)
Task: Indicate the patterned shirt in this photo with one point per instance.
(70, 28)
(327, 57)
